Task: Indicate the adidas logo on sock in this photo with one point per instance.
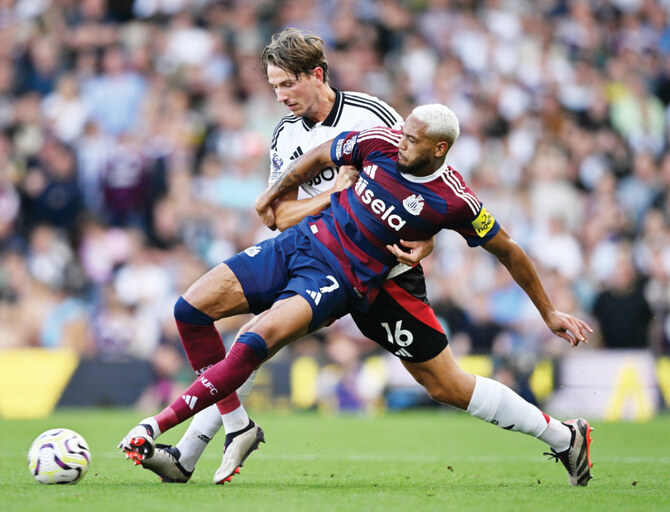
(190, 400)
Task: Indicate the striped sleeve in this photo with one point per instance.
(381, 113)
(466, 214)
(350, 148)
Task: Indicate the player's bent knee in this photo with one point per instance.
(184, 312)
(456, 393)
(218, 293)
(285, 322)
(440, 394)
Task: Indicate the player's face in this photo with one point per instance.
(300, 95)
(416, 150)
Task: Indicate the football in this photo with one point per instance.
(59, 456)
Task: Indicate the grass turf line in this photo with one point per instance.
(417, 461)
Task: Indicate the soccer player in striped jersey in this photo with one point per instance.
(336, 261)
(296, 68)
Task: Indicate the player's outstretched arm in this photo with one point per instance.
(298, 172)
(517, 262)
(289, 210)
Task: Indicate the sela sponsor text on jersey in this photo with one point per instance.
(378, 206)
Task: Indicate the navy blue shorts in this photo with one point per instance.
(290, 265)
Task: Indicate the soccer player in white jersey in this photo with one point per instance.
(296, 68)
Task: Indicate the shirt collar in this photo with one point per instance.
(332, 117)
(425, 179)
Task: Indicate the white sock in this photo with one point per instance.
(153, 424)
(208, 421)
(235, 420)
(556, 435)
(244, 390)
(496, 403)
(199, 433)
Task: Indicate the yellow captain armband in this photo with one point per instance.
(483, 223)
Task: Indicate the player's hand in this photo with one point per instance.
(346, 177)
(414, 251)
(265, 211)
(568, 327)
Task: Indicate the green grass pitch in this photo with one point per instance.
(411, 461)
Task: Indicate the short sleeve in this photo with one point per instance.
(343, 150)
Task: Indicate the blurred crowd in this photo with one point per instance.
(134, 138)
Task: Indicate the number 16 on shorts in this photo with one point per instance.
(399, 336)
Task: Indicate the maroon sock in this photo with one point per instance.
(222, 379)
(229, 404)
(204, 348)
(202, 344)
(199, 337)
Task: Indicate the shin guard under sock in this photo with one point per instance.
(222, 379)
(201, 340)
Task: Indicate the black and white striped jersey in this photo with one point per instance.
(294, 136)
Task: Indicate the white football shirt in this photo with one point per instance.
(294, 136)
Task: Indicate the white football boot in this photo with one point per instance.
(165, 463)
(237, 448)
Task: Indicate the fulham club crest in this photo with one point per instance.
(413, 204)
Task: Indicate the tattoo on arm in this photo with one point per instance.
(293, 176)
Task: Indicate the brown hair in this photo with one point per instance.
(296, 53)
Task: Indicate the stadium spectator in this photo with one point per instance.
(117, 86)
(637, 115)
(637, 191)
(126, 184)
(621, 308)
(90, 26)
(94, 151)
(10, 201)
(51, 193)
(651, 253)
(41, 66)
(64, 110)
